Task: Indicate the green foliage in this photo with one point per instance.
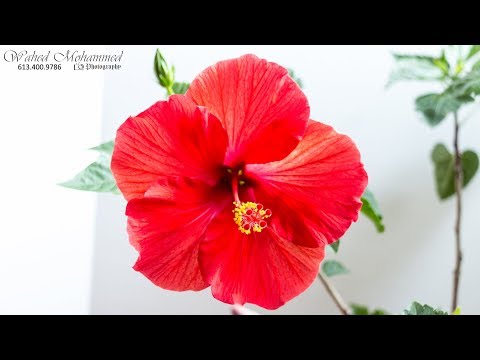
(363, 310)
(473, 51)
(180, 87)
(299, 81)
(436, 107)
(457, 69)
(468, 86)
(333, 267)
(166, 76)
(164, 73)
(371, 210)
(105, 148)
(457, 311)
(444, 164)
(419, 309)
(417, 67)
(97, 176)
(335, 246)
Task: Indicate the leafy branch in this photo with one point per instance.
(457, 70)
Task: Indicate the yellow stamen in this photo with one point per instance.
(250, 216)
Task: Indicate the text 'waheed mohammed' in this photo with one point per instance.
(81, 60)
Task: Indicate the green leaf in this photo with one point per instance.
(444, 171)
(436, 107)
(444, 164)
(379, 312)
(95, 177)
(359, 309)
(469, 85)
(473, 51)
(105, 148)
(469, 165)
(299, 81)
(335, 246)
(164, 73)
(333, 268)
(363, 310)
(371, 210)
(457, 311)
(442, 64)
(180, 87)
(419, 309)
(417, 67)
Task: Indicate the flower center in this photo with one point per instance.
(249, 216)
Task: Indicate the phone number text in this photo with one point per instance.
(39, 67)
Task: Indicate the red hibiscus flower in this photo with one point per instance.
(232, 186)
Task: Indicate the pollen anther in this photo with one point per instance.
(250, 216)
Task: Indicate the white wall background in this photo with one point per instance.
(48, 120)
(412, 260)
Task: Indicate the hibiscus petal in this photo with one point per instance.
(166, 227)
(314, 193)
(260, 268)
(263, 110)
(172, 138)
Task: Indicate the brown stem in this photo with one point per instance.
(337, 299)
(458, 193)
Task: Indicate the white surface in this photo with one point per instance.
(49, 119)
(412, 260)
(47, 231)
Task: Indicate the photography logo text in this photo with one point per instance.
(53, 60)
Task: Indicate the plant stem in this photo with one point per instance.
(240, 310)
(170, 90)
(458, 212)
(337, 299)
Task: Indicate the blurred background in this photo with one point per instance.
(66, 251)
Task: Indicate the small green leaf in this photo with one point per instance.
(436, 107)
(419, 309)
(457, 311)
(299, 81)
(476, 66)
(363, 310)
(180, 87)
(459, 67)
(105, 148)
(95, 177)
(333, 268)
(379, 312)
(473, 51)
(164, 73)
(444, 171)
(371, 210)
(335, 246)
(359, 309)
(417, 67)
(469, 85)
(442, 64)
(444, 164)
(470, 166)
